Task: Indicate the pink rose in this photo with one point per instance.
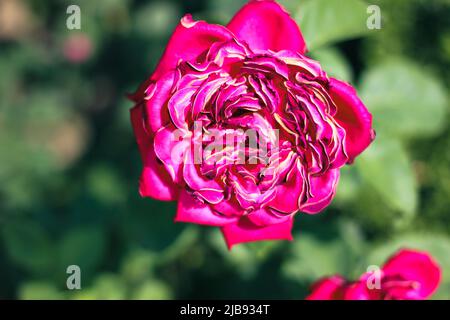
(294, 126)
(409, 275)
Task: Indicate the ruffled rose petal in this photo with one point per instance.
(191, 210)
(245, 231)
(155, 182)
(289, 193)
(265, 25)
(330, 288)
(188, 41)
(353, 116)
(415, 266)
(170, 147)
(322, 189)
(156, 102)
(266, 217)
(229, 208)
(207, 189)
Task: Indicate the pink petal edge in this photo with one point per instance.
(189, 39)
(353, 116)
(245, 231)
(327, 288)
(266, 25)
(155, 182)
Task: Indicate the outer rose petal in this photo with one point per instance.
(155, 104)
(192, 211)
(327, 289)
(359, 291)
(245, 231)
(416, 266)
(188, 41)
(353, 116)
(141, 133)
(265, 25)
(155, 182)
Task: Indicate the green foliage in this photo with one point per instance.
(316, 257)
(39, 291)
(406, 100)
(29, 246)
(334, 63)
(70, 167)
(84, 247)
(387, 169)
(325, 22)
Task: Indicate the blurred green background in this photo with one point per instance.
(69, 165)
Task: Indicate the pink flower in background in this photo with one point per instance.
(408, 275)
(250, 81)
(78, 48)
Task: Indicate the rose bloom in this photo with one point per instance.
(408, 275)
(251, 74)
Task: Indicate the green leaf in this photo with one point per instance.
(324, 22)
(107, 286)
(105, 185)
(386, 167)
(404, 99)
(187, 239)
(39, 291)
(151, 226)
(334, 63)
(348, 187)
(242, 258)
(29, 246)
(157, 18)
(138, 265)
(291, 6)
(313, 259)
(152, 290)
(83, 247)
(352, 236)
(370, 209)
(336, 249)
(225, 8)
